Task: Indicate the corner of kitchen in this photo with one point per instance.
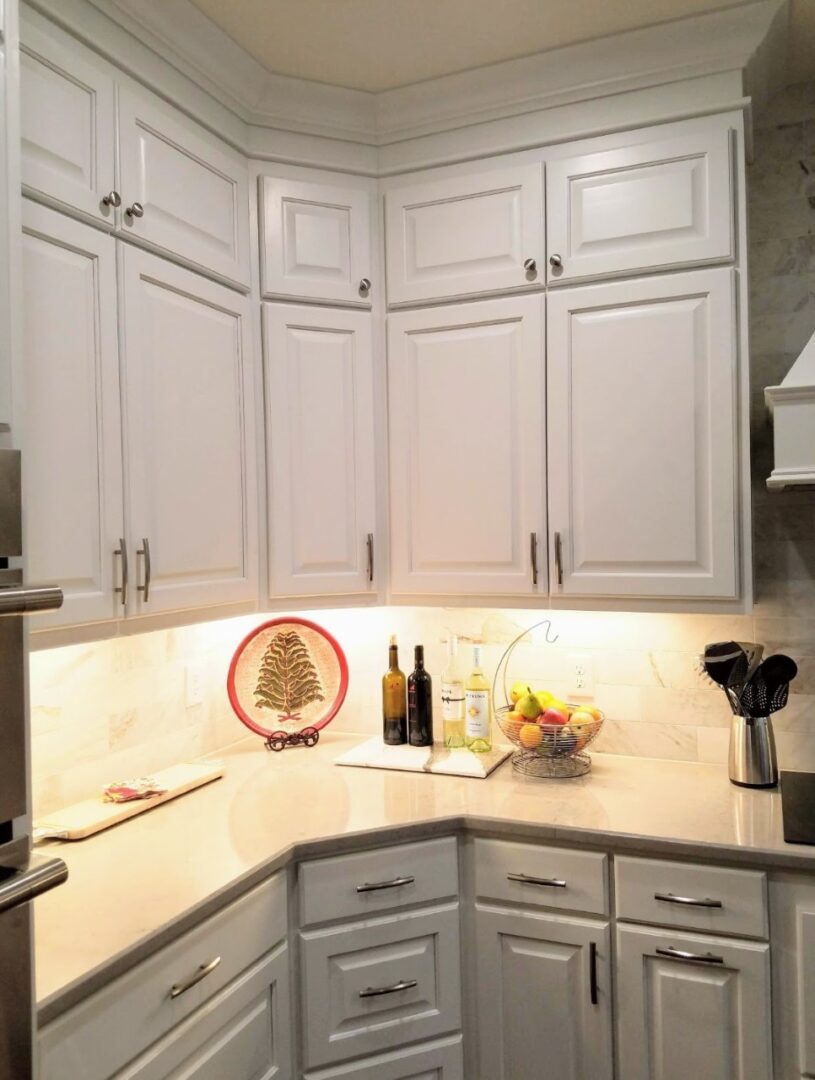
(407, 540)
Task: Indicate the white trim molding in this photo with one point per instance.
(792, 406)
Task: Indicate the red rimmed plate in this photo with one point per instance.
(288, 675)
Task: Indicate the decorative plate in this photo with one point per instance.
(289, 676)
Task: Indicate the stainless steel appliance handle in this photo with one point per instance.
(525, 879)
(558, 559)
(378, 991)
(26, 599)
(121, 551)
(533, 554)
(692, 901)
(40, 875)
(148, 568)
(378, 885)
(369, 542)
(682, 954)
(205, 969)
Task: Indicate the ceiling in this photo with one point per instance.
(381, 44)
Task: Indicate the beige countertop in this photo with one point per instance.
(136, 886)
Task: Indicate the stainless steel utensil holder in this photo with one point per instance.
(752, 760)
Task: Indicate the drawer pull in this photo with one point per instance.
(698, 958)
(691, 901)
(525, 879)
(593, 972)
(376, 886)
(379, 991)
(205, 969)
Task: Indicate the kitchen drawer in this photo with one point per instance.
(372, 986)
(440, 1060)
(541, 876)
(350, 886)
(113, 1026)
(682, 895)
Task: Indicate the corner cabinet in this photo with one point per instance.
(643, 437)
(467, 436)
(320, 439)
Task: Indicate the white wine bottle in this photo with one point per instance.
(452, 697)
(477, 708)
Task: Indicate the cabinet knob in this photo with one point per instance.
(556, 262)
(531, 266)
(113, 198)
(365, 286)
(135, 210)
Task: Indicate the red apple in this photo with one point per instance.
(555, 717)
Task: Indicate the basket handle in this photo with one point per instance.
(504, 661)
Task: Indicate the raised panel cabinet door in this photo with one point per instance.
(320, 430)
(72, 449)
(315, 241)
(679, 1017)
(465, 235)
(66, 121)
(792, 940)
(467, 437)
(190, 449)
(647, 206)
(183, 190)
(543, 996)
(643, 437)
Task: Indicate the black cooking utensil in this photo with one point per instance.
(767, 690)
(721, 657)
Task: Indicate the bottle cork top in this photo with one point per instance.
(393, 639)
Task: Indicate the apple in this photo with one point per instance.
(556, 717)
(514, 718)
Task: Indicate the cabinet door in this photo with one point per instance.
(315, 242)
(467, 422)
(792, 938)
(646, 206)
(66, 120)
(319, 371)
(192, 188)
(465, 235)
(643, 437)
(190, 447)
(679, 1018)
(544, 996)
(73, 457)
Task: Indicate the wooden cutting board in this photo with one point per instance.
(93, 815)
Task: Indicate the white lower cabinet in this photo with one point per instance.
(440, 1060)
(792, 936)
(690, 1005)
(544, 996)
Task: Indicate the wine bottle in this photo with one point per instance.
(420, 704)
(478, 708)
(394, 700)
(452, 697)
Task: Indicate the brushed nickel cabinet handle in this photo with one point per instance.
(691, 901)
(379, 991)
(205, 969)
(593, 972)
(121, 551)
(533, 555)
(113, 198)
(144, 550)
(698, 958)
(369, 544)
(135, 210)
(556, 262)
(531, 266)
(558, 559)
(365, 286)
(525, 879)
(376, 886)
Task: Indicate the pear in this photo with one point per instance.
(529, 707)
(519, 690)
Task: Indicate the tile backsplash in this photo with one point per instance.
(118, 708)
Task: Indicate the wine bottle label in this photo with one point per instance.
(477, 718)
(452, 701)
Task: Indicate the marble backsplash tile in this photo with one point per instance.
(117, 708)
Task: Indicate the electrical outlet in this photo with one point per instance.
(581, 670)
(194, 688)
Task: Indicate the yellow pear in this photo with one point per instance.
(529, 707)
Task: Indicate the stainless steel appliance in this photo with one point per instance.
(22, 875)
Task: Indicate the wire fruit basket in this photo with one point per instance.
(546, 749)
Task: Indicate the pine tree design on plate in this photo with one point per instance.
(287, 677)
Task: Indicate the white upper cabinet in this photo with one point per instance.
(183, 191)
(646, 206)
(465, 235)
(467, 437)
(315, 241)
(643, 437)
(73, 456)
(320, 432)
(67, 121)
(190, 448)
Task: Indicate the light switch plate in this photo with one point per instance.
(194, 685)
